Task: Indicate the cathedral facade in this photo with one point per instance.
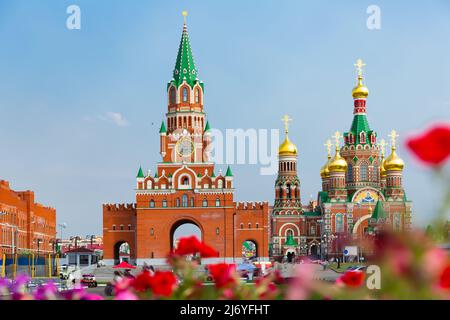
(362, 190)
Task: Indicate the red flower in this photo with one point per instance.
(163, 283)
(223, 274)
(433, 146)
(444, 281)
(143, 282)
(188, 245)
(207, 251)
(352, 278)
(192, 245)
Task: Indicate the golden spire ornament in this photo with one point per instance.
(287, 148)
(360, 91)
(337, 164)
(359, 66)
(383, 145)
(394, 137)
(394, 162)
(185, 14)
(337, 137)
(286, 121)
(328, 144)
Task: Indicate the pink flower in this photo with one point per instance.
(125, 295)
(301, 286)
(47, 291)
(435, 260)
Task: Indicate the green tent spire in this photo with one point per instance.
(290, 241)
(229, 173)
(140, 173)
(185, 65)
(207, 127)
(379, 212)
(163, 128)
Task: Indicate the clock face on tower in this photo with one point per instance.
(185, 147)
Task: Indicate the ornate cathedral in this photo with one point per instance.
(361, 190)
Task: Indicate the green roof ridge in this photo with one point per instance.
(163, 128)
(290, 241)
(379, 212)
(185, 66)
(140, 173)
(229, 173)
(207, 127)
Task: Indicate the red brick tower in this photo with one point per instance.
(185, 188)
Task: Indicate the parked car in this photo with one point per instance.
(89, 281)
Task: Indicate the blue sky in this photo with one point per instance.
(80, 109)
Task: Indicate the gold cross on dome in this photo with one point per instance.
(337, 137)
(383, 146)
(359, 66)
(286, 121)
(328, 144)
(394, 137)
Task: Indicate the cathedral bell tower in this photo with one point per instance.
(360, 148)
(287, 220)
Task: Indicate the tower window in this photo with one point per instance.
(121, 227)
(152, 203)
(185, 181)
(242, 226)
(217, 202)
(178, 202)
(185, 201)
(217, 231)
(350, 173)
(185, 94)
(192, 202)
(363, 172)
(205, 203)
(129, 227)
(362, 137)
(197, 95)
(164, 203)
(152, 231)
(172, 95)
(114, 227)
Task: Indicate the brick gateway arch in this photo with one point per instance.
(150, 232)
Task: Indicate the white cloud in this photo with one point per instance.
(115, 117)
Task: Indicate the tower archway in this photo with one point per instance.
(184, 227)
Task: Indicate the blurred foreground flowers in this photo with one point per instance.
(405, 265)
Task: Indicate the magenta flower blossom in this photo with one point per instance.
(47, 291)
(125, 295)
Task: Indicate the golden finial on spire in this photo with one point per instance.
(286, 121)
(185, 14)
(337, 137)
(328, 144)
(394, 137)
(383, 145)
(360, 91)
(393, 162)
(359, 66)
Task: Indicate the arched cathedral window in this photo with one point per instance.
(350, 173)
(185, 94)
(172, 95)
(363, 172)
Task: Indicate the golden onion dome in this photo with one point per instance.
(287, 148)
(394, 162)
(325, 171)
(382, 168)
(337, 164)
(360, 91)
